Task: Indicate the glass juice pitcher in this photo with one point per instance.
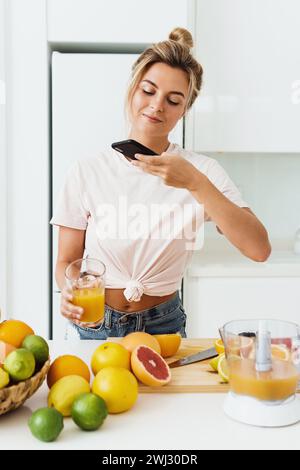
(86, 278)
(263, 359)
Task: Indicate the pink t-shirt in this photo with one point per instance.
(141, 229)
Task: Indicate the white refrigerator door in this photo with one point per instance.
(88, 93)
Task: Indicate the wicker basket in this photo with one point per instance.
(14, 396)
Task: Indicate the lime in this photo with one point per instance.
(4, 378)
(46, 424)
(89, 411)
(223, 368)
(38, 346)
(20, 364)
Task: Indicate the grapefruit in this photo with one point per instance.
(110, 354)
(169, 344)
(149, 367)
(132, 340)
(5, 349)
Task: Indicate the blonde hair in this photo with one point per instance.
(174, 52)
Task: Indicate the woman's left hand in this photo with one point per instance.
(173, 169)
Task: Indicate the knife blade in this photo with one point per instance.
(200, 356)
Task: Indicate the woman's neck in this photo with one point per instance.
(159, 144)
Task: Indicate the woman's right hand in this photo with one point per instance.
(67, 308)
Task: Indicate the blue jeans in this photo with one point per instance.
(167, 317)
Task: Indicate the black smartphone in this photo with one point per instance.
(130, 147)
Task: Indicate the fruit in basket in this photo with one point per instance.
(169, 344)
(89, 411)
(5, 349)
(132, 340)
(20, 364)
(66, 365)
(149, 367)
(14, 332)
(110, 354)
(46, 424)
(4, 378)
(118, 387)
(39, 348)
(65, 391)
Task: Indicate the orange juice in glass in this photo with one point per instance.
(86, 277)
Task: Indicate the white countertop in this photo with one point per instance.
(157, 421)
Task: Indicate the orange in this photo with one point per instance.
(280, 351)
(110, 354)
(137, 338)
(169, 344)
(14, 332)
(219, 346)
(67, 365)
(149, 367)
(118, 387)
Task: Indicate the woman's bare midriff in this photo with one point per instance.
(115, 299)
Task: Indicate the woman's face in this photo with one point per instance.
(159, 100)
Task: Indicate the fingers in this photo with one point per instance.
(67, 308)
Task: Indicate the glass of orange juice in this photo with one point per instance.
(86, 278)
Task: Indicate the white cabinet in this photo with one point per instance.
(250, 97)
(210, 302)
(114, 21)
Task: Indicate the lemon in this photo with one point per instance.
(46, 424)
(214, 363)
(38, 346)
(223, 370)
(20, 364)
(4, 378)
(89, 411)
(219, 345)
(64, 392)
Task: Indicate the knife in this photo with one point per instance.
(200, 356)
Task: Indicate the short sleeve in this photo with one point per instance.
(70, 210)
(218, 176)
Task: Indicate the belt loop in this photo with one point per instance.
(139, 318)
(107, 318)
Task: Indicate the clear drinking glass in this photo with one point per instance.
(86, 278)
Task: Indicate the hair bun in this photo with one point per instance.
(183, 36)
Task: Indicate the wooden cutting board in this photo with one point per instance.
(198, 377)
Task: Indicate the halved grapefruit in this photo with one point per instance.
(149, 367)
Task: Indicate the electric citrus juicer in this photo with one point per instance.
(263, 358)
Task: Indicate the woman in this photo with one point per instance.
(144, 274)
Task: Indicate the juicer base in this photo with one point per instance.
(258, 413)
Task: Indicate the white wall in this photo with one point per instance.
(27, 163)
(3, 279)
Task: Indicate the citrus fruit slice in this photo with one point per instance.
(65, 391)
(67, 365)
(20, 364)
(280, 351)
(110, 354)
(214, 363)
(46, 424)
(132, 340)
(38, 346)
(169, 344)
(89, 411)
(149, 367)
(223, 370)
(118, 387)
(219, 346)
(14, 332)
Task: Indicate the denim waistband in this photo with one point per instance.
(116, 316)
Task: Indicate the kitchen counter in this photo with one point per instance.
(157, 421)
